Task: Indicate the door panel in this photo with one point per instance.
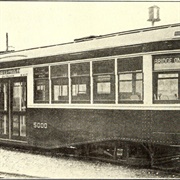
(18, 109)
(13, 103)
(4, 121)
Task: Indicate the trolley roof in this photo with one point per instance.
(125, 38)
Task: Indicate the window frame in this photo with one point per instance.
(134, 72)
(165, 64)
(80, 75)
(41, 78)
(155, 87)
(133, 84)
(61, 78)
(104, 98)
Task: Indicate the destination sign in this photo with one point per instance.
(10, 71)
(167, 62)
(41, 72)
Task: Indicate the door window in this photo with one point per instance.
(19, 96)
(15, 125)
(3, 96)
(23, 126)
(3, 124)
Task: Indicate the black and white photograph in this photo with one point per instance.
(89, 89)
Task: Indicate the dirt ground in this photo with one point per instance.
(16, 164)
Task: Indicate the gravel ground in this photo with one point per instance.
(16, 164)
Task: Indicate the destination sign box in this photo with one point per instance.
(41, 72)
(10, 71)
(166, 62)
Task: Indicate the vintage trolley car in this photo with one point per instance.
(116, 95)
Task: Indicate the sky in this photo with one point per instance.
(34, 24)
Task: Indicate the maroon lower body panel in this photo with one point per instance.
(53, 128)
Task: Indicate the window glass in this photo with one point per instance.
(130, 86)
(139, 76)
(80, 69)
(104, 81)
(167, 87)
(23, 126)
(41, 90)
(41, 84)
(139, 88)
(41, 72)
(125, 76)
(125, 86)
(59, 71)
(130, 64)
(3, 96)
(60, 91)
(19, 96)
(3, 124)
(60, 84)
(15, 125)
(19, 126)
(80, 82)
(78, 89)
(104, 88)
(130, 79)
(104, 84)
(167, 75)
(101, 67)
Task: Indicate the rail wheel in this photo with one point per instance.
(115, 152)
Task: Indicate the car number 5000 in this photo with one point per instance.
(40, 125)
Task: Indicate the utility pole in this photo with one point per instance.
(7, 43)
(8, 48)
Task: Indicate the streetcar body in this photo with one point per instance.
(121, 87)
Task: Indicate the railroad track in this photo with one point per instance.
(4, 175)
(159, 165)
(174, 172)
